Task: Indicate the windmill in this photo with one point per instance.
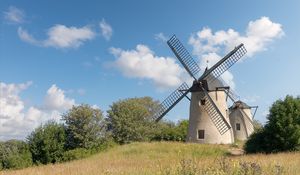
(208, 120)
(241, 119)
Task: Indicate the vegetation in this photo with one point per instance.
(173, 158)
(282, 131)
(169, 131)
(47, 143)
(14, 154)
(85, 132)
(84, 127)
(129, 119)
(257, 125)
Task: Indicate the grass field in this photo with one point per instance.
(171, 158)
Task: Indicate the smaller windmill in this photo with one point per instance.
(209, 120)
(241, 119)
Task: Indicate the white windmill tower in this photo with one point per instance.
(241, 120)
(208, 121)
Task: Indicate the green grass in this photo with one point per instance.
(164, 158)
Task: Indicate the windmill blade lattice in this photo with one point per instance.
(184, 57)
(231, 93)
(215, 115)
(226, 62)
(171, 101)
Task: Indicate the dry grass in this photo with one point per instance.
(170, 158)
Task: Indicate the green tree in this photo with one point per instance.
(47, 143)
(84, 127)
(282, 131)
(257, 125)
(129, 119)
(169, 131)
(14, 154)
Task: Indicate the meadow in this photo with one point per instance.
(166, 158)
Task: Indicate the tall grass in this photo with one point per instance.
(164, 158)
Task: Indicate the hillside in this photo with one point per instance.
(171, 158)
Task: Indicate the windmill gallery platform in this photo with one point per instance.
(210, 120)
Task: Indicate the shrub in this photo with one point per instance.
(129, 119)
(85, 127)
(47, 143)
(282, 131)
(169, 131)
(14, 154)
(75, 154)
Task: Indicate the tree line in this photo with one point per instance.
(85, 130)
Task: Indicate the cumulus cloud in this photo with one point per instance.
(17, 120)
(259, 34)
(161, 37)
(14, 15)
(10, 102)
(143, 63)
(55, 99)
(60, 36)
(106, 29)
(209, 45)
(14, 119)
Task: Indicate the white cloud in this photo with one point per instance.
(208, 60)
(55, 99)
(25, 36)
(10, 102)
(259, 33)
(60, 36)
(17, 120)
(95, 107)
(106, 29)
(161, 37)
(143, 63)
(14, 15)
(251, 98)
(208, 45)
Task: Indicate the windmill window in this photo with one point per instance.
(202, 101)
(238, 126)
(200, 134)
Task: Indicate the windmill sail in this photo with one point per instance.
(224, 64)
(230, 93)
(216, 116)
(171, 101)
(184, 57)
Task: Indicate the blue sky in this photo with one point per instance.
(55, 54)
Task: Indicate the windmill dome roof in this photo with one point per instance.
(215, 83)
(239, 104)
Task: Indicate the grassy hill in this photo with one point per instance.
(171, 158)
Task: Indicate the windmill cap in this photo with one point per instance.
(215, 83)
(240, 104)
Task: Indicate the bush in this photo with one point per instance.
(75, 154)
(14, 154)
(85, 127)
(282, 131)
(256, 143)
(129, 119)
(169, 131)
(47, 143)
